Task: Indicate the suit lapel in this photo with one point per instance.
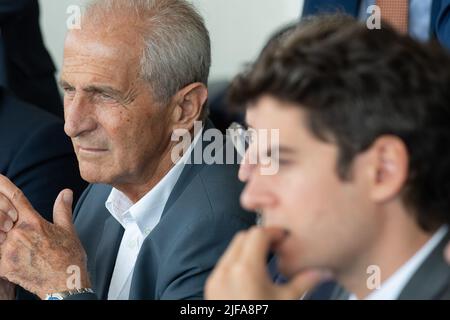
(339, 293)
(435, 11)
(432, 277)
(106, 256)
(428, 282)
(190, 170)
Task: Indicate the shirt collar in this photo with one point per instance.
(393, 286)
(147, 212)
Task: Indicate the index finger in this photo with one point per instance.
(260, 240)
(233, 250)
(14, 195)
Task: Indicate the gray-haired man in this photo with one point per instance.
(151, 229)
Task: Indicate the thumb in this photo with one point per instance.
(62, 210)
(298, 286)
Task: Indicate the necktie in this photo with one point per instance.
(395, 12)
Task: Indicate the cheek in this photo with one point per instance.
(118, 129)
(330, 217)
(148, 125)
(309, 194)
(136, 140)
(315, 206)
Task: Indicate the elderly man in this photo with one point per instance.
(151, 229)
(362, 190)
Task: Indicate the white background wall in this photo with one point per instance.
(238, 28)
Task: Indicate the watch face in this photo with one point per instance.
(65, 294)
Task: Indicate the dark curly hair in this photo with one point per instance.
(357, 84)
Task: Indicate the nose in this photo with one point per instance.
(245, 170)
(78, 116)
(257, 194)
(248, 163)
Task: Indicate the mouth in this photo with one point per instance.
(277, 246)
(278, 242)
(91, 151)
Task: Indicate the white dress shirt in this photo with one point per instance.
(393, 286)
(138, 220)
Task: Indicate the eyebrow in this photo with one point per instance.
(102, 88)
(282, 150)
(63, 83)
(94, 88)
(244, 124)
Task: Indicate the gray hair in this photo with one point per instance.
(177, 49)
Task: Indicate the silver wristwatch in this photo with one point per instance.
(65, 294)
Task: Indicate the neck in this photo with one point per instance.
(146, 181)
(398, 239)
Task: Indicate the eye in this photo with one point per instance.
(105, 97)
(284, 162)
(69, 91)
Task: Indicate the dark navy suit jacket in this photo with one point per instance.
(440, 14)
(35, 153)
(199, 220)
(443, 24)
(26, 67)
(431, 281)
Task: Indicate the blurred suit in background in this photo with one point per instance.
(26, 67)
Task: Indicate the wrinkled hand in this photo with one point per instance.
(8, 216)
(37, 254)
(241, 273)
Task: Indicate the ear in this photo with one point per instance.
(389, 167)
(188, 105)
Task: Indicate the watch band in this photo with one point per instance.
(65, 294)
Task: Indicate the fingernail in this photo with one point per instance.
(2, 237)
(67, 197)
(12, 214)
(7, 225)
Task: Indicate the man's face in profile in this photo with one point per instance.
(327, 218)
(118, 130)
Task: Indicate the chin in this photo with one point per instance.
(90, 178)
(291, 260)
(287, 267)
(92, 175)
